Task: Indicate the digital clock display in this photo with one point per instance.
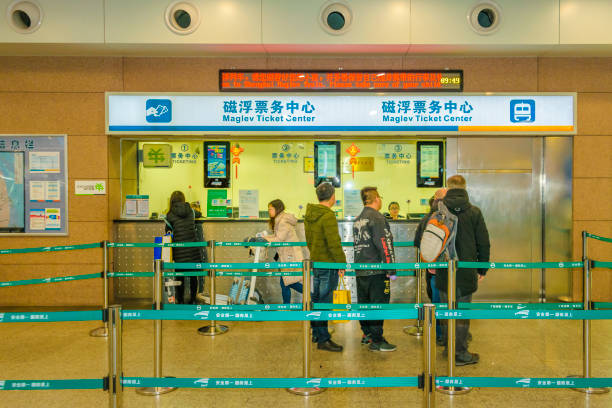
(345, 81)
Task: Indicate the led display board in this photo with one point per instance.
(346, 81)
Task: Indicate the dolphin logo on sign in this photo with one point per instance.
(316, 315)
(315, 382)
(525, 382)
(524, 314)
(202, 382)
(203, 314)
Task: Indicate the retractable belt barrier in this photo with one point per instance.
(280, 306)
(461, 305)
(49, 280)
(232, 265)
(519, 265)
(39, 385)
(157, 245)
(597, 237)
(381, 266)
(69, 316)
(334, 382)
(399, 244)
(602, 264)
(519, 382)
(49, 248)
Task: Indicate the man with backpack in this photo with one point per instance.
(471, 244)
(373, 244)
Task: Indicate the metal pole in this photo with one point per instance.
(429, 355)
(452, 323)
(586, 324)
(306, 267)
(213, 328)
(115, 357)
(417, 329)
(103, 331)
(157, 336)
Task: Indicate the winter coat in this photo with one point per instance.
(181, 218)
(322, 236)
(373, 241)
(284, 231)
(472, 242)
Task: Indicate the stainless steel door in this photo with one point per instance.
(503, 179)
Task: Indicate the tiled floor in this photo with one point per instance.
(507, 348)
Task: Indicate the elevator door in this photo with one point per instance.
(504, 180)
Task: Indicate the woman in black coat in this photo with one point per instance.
(181, 222)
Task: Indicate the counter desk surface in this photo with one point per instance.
(232, 230)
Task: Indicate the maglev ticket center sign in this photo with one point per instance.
(340, 113)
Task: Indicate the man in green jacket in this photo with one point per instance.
(324, 244)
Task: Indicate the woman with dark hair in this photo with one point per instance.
(181, 221)
(282, 224)
(394, 210)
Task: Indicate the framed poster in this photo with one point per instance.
(217, 165)
(430, 164)
(327, 163)
(33, 185)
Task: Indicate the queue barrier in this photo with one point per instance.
(233, 382)
(597, 237)
(40, 385)
(442, 306)
(399, 244)
(49, 248)
(55, 279)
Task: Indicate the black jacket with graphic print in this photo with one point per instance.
(373, 241)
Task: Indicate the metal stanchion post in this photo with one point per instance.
(157, 337)
(452, 323)
(306, 334)
(213, 328)
(115, 357)
(103, 331)
(429, 355)
(417, 329)
(586, 324)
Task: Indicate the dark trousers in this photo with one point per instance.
(462, 327)
(373, 289)
(286, 290)
(324, 282)
(180, 290)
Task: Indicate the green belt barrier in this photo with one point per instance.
(381, 266)
(233, 265)
(171, 274)
(443, 306)
(80, 316)
(280, 316)
(260, 273)
(288, 244)
(333, 382)
(157, 245)
(290, 306)
(32, 385)
(49, 249)
(602, 305)
(518, 382)
(601, 264)
(526, 314)
(598, 237)
(130, 274)
(49, 280)
(521, 265)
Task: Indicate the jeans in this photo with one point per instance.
(286, 290)
(324, 282)
(462, 326)
(435, 298)
(373, 289)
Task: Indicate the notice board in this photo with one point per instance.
(33, 185)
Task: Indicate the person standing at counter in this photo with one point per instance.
(324, 244)
(394, 209)
(282, 224)
(181, 222)
(373, 244)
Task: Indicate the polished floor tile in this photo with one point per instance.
(274, 349)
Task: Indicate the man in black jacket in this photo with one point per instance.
(373, 244)
(472, 245)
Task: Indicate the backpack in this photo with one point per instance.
(439, 235)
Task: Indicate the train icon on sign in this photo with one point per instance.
(522, 110)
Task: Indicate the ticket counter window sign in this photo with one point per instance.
(157, 155)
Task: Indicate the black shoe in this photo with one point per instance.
(466, 358)
(382, 346)
(329, 345)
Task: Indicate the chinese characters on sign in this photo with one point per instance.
(261, 111)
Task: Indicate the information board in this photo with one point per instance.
(33, 184)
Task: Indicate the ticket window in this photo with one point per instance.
(264, 170)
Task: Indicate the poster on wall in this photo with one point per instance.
(216, 165)
(249, 204)
(33, 184)
(216, 204)
(352, 204)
